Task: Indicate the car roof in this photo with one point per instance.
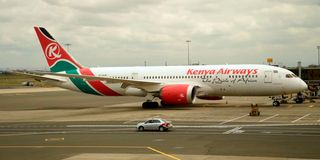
(156, 119)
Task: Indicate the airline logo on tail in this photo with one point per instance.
(57, 57)
(53, 51)
(59, 60)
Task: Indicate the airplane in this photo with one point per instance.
(173, 85)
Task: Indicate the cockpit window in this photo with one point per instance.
(289, 76)
(294, 75)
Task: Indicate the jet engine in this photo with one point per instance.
(178, 94)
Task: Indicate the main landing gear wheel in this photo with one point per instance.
(276, 103)
(147, 105)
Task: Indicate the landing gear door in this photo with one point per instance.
(268, 77)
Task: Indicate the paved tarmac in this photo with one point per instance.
(68, 125)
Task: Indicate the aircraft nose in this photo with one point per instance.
(303, 85)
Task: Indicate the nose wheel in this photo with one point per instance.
(275, 103)
(277, 100)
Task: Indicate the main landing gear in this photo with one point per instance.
(150, 104)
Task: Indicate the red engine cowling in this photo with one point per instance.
(178, 94)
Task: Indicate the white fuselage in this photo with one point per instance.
(213, 80)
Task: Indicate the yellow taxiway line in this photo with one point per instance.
(165, 154)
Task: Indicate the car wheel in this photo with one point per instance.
(161, 129)
(140, 128)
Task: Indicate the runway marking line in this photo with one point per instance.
(128, 147)
(165, 154)
(269, 118)
(234, 130)
(126, 122)
(230, 120)
(54, 139)
(294, 121)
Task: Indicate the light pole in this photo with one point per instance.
(188, 41)
(318, 55)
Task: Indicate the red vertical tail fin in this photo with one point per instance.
(57, 57)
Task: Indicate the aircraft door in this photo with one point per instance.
(267, 76)
(134, 75)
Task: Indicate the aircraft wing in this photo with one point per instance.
(41, 77)
(146, 85)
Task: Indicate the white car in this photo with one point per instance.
(155, 124)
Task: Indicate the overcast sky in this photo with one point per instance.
(126, 33)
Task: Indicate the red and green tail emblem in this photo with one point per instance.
(59, 60)
(57, 57)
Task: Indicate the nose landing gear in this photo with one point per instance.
(276, 103)
(299, 98)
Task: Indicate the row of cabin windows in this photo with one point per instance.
(121, 77)
(187, 77)
(243, 76)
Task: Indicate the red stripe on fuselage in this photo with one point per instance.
(98, 85)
